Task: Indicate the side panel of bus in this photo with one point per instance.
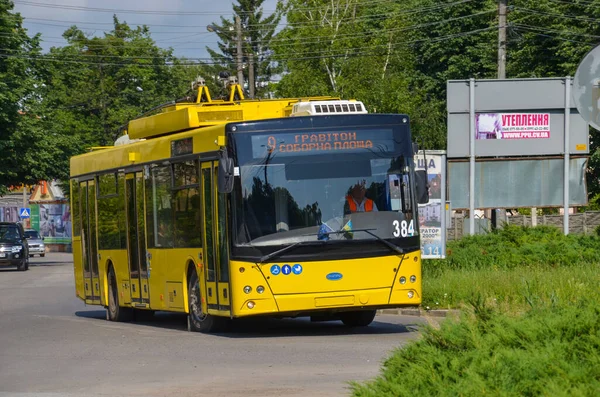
(76, 244)
(217, 292)
(89, 242)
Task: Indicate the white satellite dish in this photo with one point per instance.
(586, 88)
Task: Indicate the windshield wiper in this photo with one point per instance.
(393, 247)
(273, 254)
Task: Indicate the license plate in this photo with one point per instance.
(2, 255)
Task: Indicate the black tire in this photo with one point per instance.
(114, 311)
(41, 255)
(199, 321)
(24, 264)
(360, 318)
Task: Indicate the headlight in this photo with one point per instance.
(247, 289)
(16, 248)
(402, 280)
(260, 289)
(413, 278)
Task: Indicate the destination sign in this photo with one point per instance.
(316, 142)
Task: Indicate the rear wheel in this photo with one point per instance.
(115, 312)
(198, 321)
(360, 318)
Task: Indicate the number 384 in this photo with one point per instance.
(404, 228)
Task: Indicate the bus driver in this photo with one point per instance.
(356, 200)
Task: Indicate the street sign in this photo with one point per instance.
(24, 213)
(586, 88)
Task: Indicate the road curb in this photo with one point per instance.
(420, 312)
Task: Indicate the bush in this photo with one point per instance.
(516, 246)
(553, 349)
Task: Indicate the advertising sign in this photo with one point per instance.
(432, 214)
(55, 223)
(512, 126)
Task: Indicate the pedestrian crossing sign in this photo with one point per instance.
(24, 213)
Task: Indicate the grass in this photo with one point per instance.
(529, 322)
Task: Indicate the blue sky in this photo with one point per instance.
(180, 24)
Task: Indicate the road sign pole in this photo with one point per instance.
(567, 155)
(472, 156)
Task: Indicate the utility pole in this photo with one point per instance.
(502, 5)
(240, 72)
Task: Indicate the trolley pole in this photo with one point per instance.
(240, 72)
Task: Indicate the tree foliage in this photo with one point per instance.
(394, 56)
(256, 35)
(19, 79)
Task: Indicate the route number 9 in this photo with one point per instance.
(403, 229)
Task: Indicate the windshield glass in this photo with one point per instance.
(358, 196)
(32, 234)
(9, 233)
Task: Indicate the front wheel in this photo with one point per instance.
(198, 321)
(360, 318)
(24, 265)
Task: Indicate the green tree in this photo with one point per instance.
(21, 141)
(257, 35)
(102, 82)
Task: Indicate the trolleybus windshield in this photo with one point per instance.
(288, 192)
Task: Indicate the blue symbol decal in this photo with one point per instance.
(297, 268)
(286, 269)
(334, 276)
(275, 270)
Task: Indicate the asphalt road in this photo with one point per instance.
(52, 344)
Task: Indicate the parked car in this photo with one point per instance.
(14, 250)
(35, 243)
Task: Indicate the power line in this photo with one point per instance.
(275, 25)
(219, 13)
(552, 37)
(207, 61)
(307, 40)
(566, 16)
(529, 27)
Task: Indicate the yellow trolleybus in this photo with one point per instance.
(232, 208)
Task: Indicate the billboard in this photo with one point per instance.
(432, 215)
(513, 117)
(53, 221)
(512, 126)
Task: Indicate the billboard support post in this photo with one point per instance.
(567, 155)
(472, 156)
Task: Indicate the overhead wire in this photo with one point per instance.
(219, 13)
(341, 54)
(308, 23)
(313, 39)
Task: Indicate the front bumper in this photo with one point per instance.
(36, 249)
(10, 259)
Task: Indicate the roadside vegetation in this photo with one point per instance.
(529, 321)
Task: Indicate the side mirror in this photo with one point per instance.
(225, 176)
(422, 185)
(415, 148)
